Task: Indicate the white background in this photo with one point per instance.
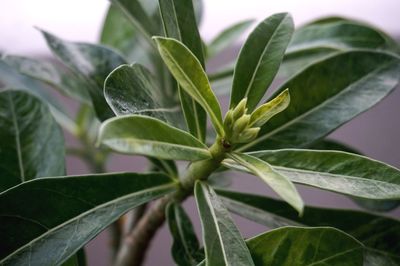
(80, 20)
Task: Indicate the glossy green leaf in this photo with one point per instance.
(300, 246)
(64, 213)
(326, 95)
(380, 235)
(185, 248)
(227, 37)
(179, 22)
(92, 63)
(188, 71)
(341, 172)
(11, 78)
(136, 134)
(265, 112)
(324, 37)
(32, 144)
(67, 84)
(260, 58)
(222, 240)
(332, 145)
(136, 14)
(278, 182)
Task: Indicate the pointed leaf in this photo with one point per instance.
(260, 58)
(265, 112)
(65, 213)
(65, 83)
(379, 234)
(144, 135)
(179, 22)
(227, 37)
(340, 172)
(188, 71)
(299, 246)
(32, 144)
(91, 62)
(278, 182)
(185, 249)
(327, 94)
(222, 240)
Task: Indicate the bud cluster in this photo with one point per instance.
(237, 125)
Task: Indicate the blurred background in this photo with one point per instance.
(374, 133)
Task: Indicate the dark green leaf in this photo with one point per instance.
(165, 166)
(332, 145)
(188, 71)
(179, 22)
(380, 235)
(32, 144)
(136, 134)
(11, 78)
(50, 74)
(278, 182)
(341, 172)
(92, 63)
(64, 213)
(185, 249)
(222, 240)
(299, 246)
(327, 94)
(79, 259)
(227, 37)
(260, 58)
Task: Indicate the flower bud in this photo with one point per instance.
(228, 121)
(248, 135)
(241, 124)
(240, 109)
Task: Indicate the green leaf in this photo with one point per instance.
(11, 78)
(65, 83)
(299, 246)
(179, 21)
(260, 58)
(65, 213)
(332, 145)
(278, 182)
(340, 172)
(222, 240)
(326, 95)
(136, 14)
(135, 134)
(185, 249)
(380, 235)
(188, 71)
(227, 37)
(32, 144)
(166, 166)
(79, 259)
(265, 112)
(92, 63)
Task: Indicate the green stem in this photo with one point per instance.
(134, 246)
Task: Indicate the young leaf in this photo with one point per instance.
(188, 71)
(327, 94)
(92, 63)
(278, 182)
(67, 84)
(135, 134)
(32, 144)
(340, 172)
(379, 234)
(222, 240)
(185, 249)
(65, 213)
(226, 38)
(265, 112)
(260, 58)
(179, 22)
(300, 246)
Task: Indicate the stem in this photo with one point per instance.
(135, 245)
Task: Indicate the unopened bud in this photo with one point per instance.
(240, 109)
(248, 135)
(228, 121)
(241, 124)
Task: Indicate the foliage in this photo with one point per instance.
(146, 91)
